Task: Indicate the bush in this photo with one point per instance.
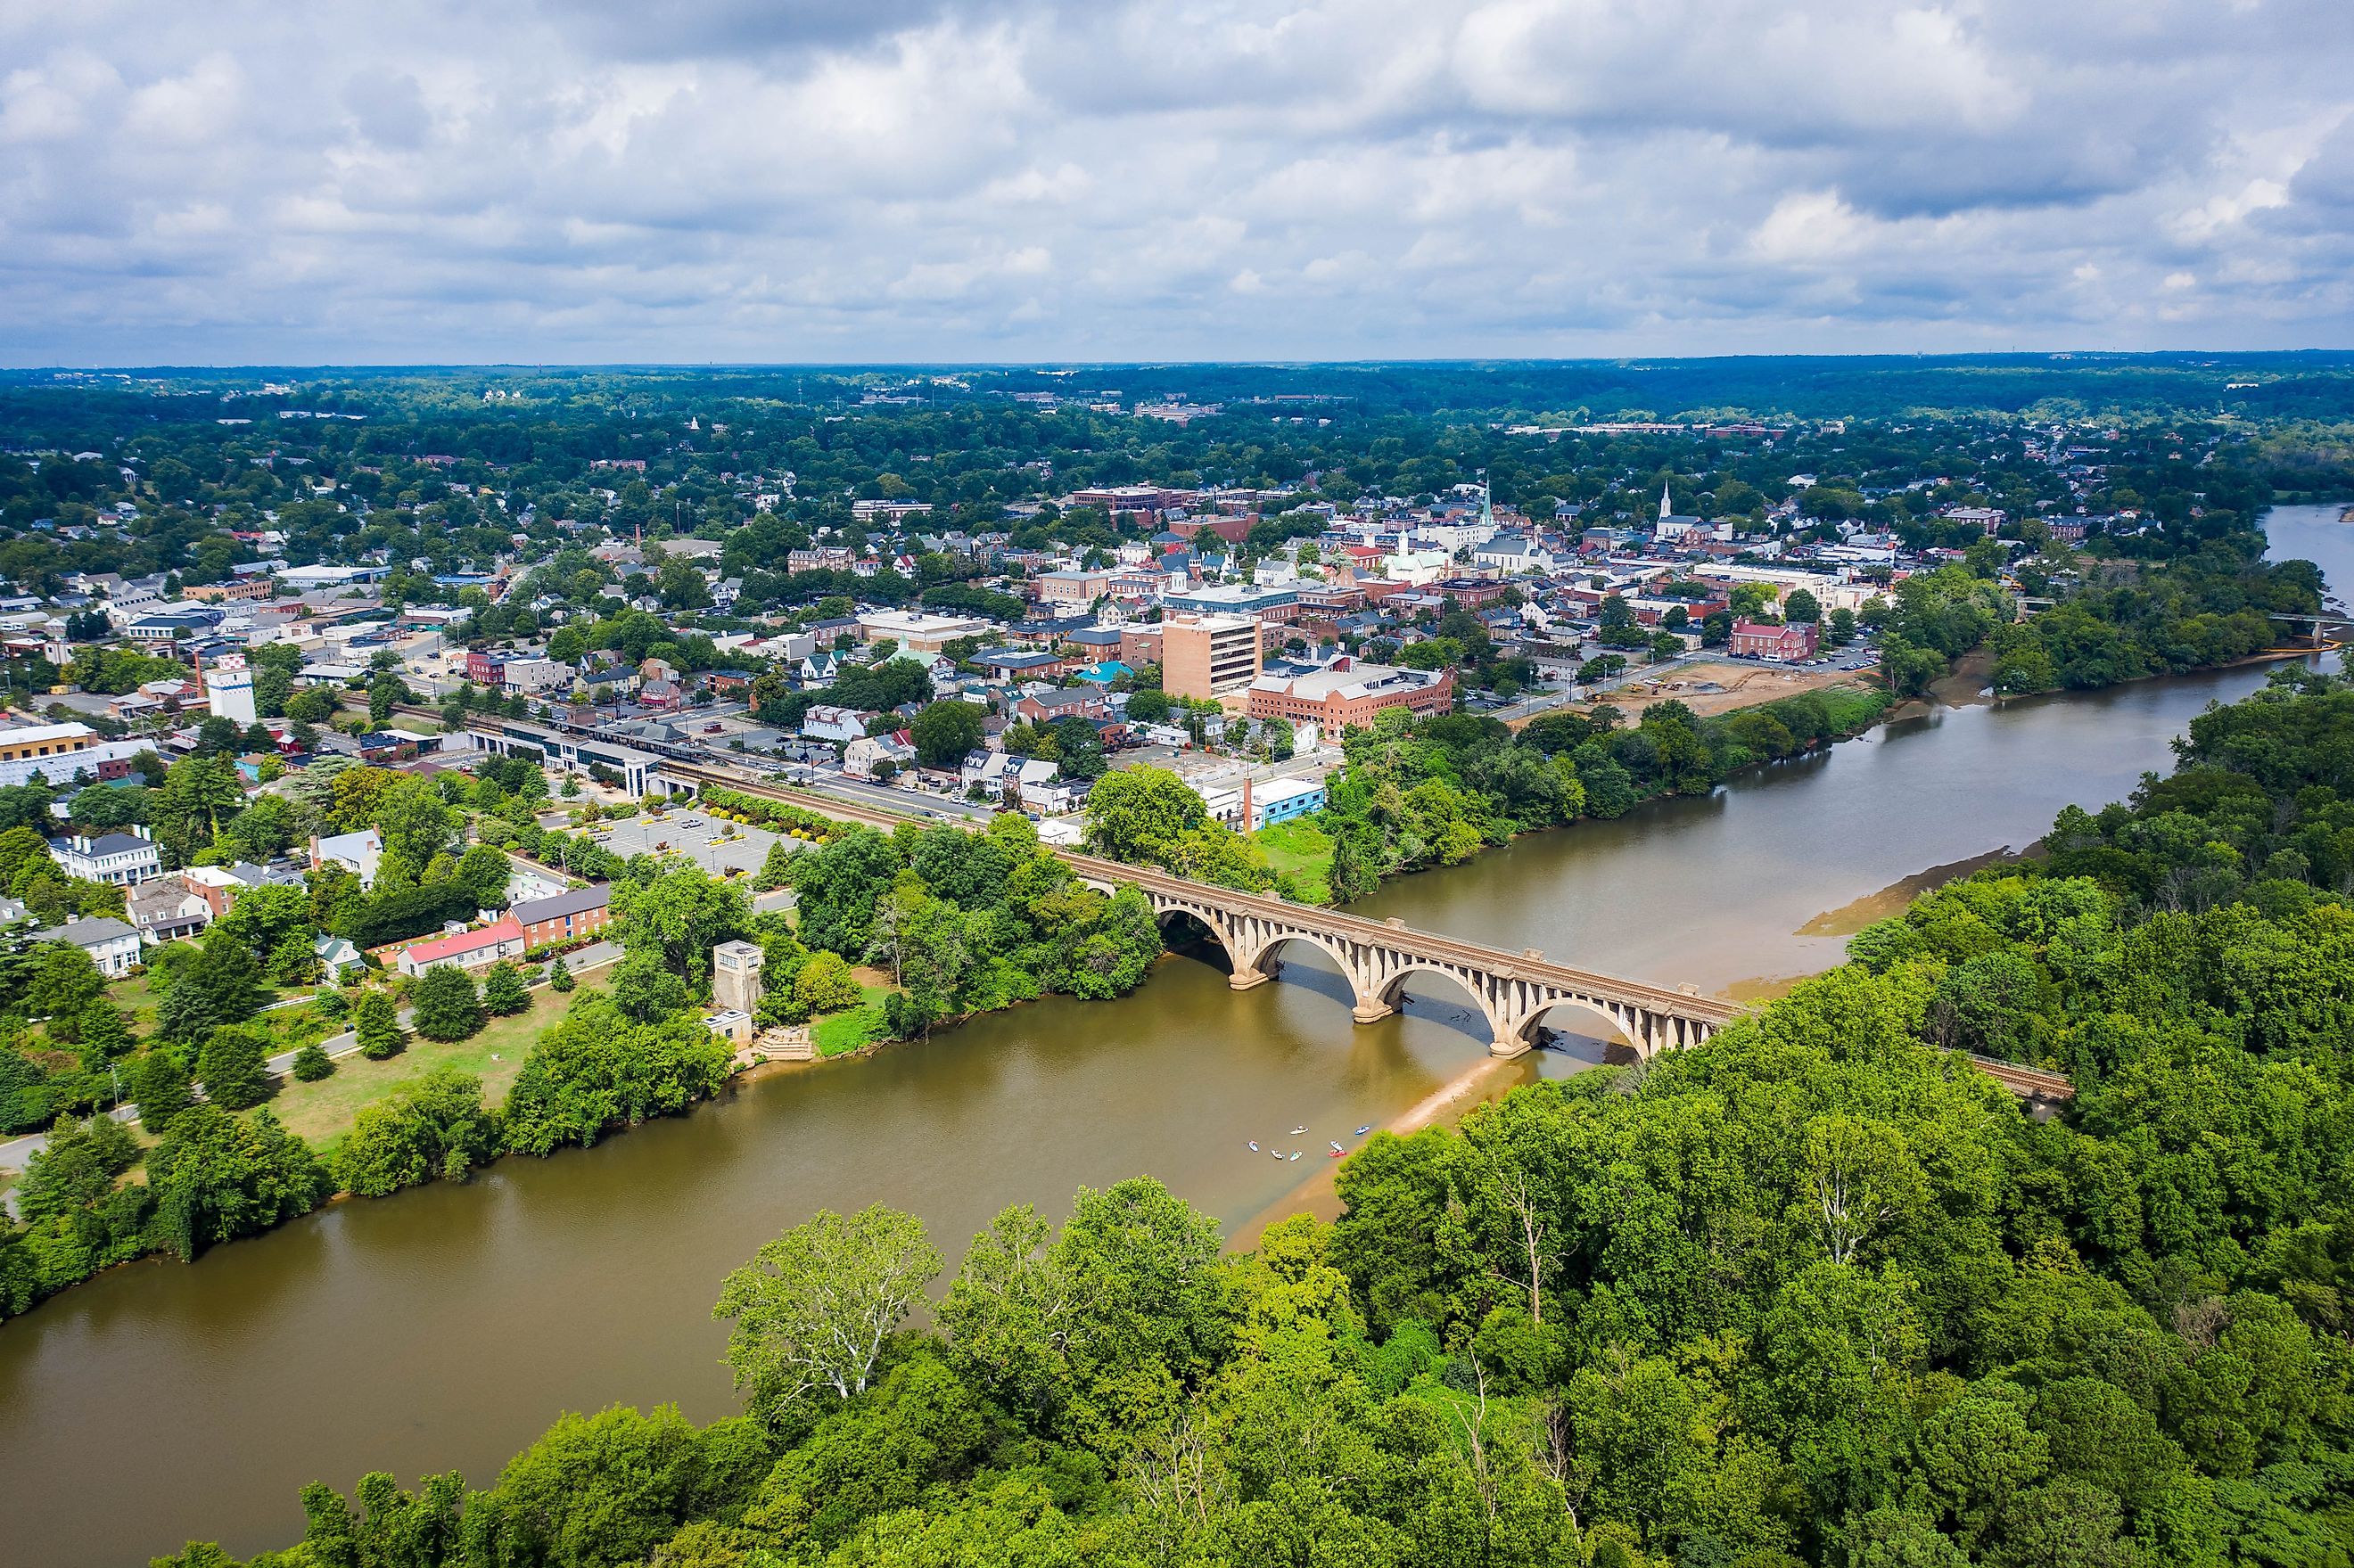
(311, 1063)
(447, 1006)
(559, 976)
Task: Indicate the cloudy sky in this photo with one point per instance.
(404, 181)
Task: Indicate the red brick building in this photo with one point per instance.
(1347, 693)
(1793, 641)
(567, 917)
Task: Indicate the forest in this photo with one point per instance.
(1813, 1292)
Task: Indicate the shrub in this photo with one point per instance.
(311, 1063)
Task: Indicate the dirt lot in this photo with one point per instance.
(1738, 685)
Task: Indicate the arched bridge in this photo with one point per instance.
(1514, 991)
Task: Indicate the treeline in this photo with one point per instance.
(1813, 1292)
(1420, 792)
(969, 922)
(2113, 619)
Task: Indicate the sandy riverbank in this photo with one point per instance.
(1483, 1081)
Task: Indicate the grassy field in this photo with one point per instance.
(841, 1033)
(322, 1112)
(1301, 852)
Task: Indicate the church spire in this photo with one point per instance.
(1667, 507)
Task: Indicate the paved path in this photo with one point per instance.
(17, 1151)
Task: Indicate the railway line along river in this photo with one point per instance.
(446, 1327)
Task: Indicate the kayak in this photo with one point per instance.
(1364, 1129)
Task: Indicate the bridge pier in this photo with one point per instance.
(1371, 1009)
(1244, 979)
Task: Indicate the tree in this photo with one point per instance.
(217, 984)
(485, 870)
(945, 731)
(158, 1085)
(1137, 813)
(645, 990)
(376, 1025)
(777, 868)
(439, 1128)
(559, 976)
(217, 1176)
(1800, 605)
(503, 990)
(679, 918)
(815, 1309)
(825, 984)
(445, 1006)
(311, 1062)
(64, 983)
(233, 1068)
(599, 1068)
(102, 1031)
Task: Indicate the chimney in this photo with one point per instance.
(1247, 801)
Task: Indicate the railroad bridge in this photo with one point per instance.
(1514, 991)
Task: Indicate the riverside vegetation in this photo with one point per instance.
(1813, 1292)
(966, 922)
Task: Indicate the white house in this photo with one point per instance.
(165, 910)
(868, 752)
(358, 852)
(113, 946)
(845, 725)
(121, 859)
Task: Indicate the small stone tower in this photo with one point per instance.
(736, 975)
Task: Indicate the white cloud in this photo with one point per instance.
(1005, 178)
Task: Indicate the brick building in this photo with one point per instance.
(569, 917)
(1346, 693)
(1206, 656)
(1795, 640)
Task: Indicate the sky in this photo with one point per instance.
(830, 181)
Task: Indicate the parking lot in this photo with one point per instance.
(689, 833)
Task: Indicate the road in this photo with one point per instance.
(16, 1152)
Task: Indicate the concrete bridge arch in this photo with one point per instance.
(1512, 992)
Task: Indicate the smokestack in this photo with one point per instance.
(1246, 800)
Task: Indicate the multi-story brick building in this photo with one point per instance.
(1206, 656)
(1346, 693)
(567, 917)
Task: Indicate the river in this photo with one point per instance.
(446, 1327)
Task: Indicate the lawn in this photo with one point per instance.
(841, 1032)
(136, 996)
(1301, 853)
(322, 1112)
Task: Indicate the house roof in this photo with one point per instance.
(88, 933)
(572, 901)
(506, 928)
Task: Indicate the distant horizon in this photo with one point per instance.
(1165, 362)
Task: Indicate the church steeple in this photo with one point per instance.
(1667, 507)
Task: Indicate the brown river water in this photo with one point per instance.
(444, 1327)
